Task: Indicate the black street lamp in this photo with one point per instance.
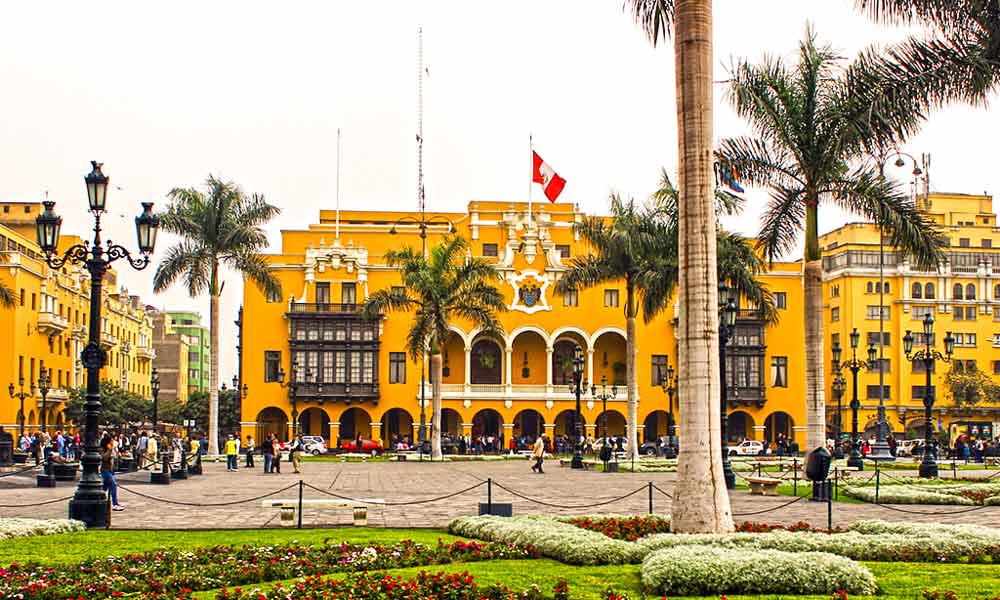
(293, 392)
(578, 387)
(604, 396)
(89, 500)
(44, 385)
(669, 385)
(839, 385)
(154, 382)
(855, 365)
(928, 465)
(422, 223)
(727, 327)
(20, 396)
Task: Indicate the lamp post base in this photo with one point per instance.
(728, 474)
(577, 462)
(92, 511)
(881, 452)
(928, 470)
(856, 462)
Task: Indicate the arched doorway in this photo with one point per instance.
(486, 364)
(272, 421)
(314, 421)
(486, 422)
(397, 425)
(739, 426)
(656, 425)
(563, 352)
(528, 425)
(778, 424)
(609, 358)
(354, 422)
(451, 422)
(612, 421)
(528, 355)
(566, 424)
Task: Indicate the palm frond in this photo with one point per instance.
(654, 17)
(8, 298)
(186, 259)
(256, 268)
(946, 14)
(781, 222)
(383, 302)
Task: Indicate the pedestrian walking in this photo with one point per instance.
(267, 449)
(108, 456)
(276, 464)
(296, 452)
(232, 450)
(250, 448)
(538, 453)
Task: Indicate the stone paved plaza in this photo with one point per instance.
(413, 481)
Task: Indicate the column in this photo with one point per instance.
(334, 434)
(467, 430)
(548, 370)
(550, 430)
(758, 432)
(508, 368)
(468, 368)
(508, 433)
(590, 366)
(591, 429)
(376, 427)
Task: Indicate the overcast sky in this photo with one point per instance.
(166, 93)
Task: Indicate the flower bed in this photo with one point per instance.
(372, 586)
(699, 570)
(16, 527)
(970, 494)
(171, 571)
(623, 528)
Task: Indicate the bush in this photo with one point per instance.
(17, 527)
(622, 528)
(969, 494)
(702, 570)
(561, 541)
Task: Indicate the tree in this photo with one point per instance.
(118, 406)
(958, 60)
(8, 299)
(814, 124)
(229, 410)
(220, 227)
(969, 386)
(439, 289)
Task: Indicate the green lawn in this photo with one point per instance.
(899, 581)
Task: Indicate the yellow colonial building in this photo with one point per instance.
(962, 293)
(47, 327)
(355, 378)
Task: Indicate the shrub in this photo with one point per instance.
(933, 492)
(702, 570)
(16, 527)
(623, 528)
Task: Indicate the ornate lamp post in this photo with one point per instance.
(88, 503)
(578, 387)
(928, 465)
(44, 385)
(855, 365)
(422, 223)
(20, 396)
(604, 396)
(154, 382)
(839, 385)
(293, 392)
(727, 327)
(669, 385)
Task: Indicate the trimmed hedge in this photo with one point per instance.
(12, 527)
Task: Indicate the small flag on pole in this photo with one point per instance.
(729, 177)
(542, 173)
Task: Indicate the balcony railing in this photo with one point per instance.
(324, 308)
(50, 323)
(56, 395)
(145, 353)
(107, 340)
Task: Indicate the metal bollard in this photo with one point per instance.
(795, 476)
(650, 487)
(299, 526)
(489, 495)
(829, 514)
(878, 480)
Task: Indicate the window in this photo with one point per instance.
(780, 300)
(965, 366)
(996, 292)
(272, 364)
(963, 242)
(919, 392)
(917, 292)
(929, 291)
(919, 312)
(348, 293)
(970, 313)
(563, 250)
(22, 296)
(872, 312)
(779, 371)
(872, 392)
(886, 365)
(34, 301)
(835, 314)
(323, 292)
(659, 368)
(873, 338)
(870, 288)
(610, 297)
(987, 243)
(970, 291)
(490, 250)
(397, 367)
(835, 291)
(996, 367)
(967, 340)
(834, 339)
(571, 298)
(957, 291)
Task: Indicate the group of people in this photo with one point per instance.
(976, 449)
(270, 449)
(40, 443)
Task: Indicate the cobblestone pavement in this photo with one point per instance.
(562, 490)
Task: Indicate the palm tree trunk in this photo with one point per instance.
(812, 286)
(630, 379)
(436, 405)
(213, 365)
(701, 501)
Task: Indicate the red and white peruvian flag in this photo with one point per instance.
(550, 180)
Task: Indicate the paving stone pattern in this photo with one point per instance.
(562, 490)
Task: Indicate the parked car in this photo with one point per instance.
(910, 448)
(373, 447)
(747, 448)
(599, 443)
(658, 447)
(314, 444)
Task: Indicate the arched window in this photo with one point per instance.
(996, 292)
(871, 287)
(917, 291)
(886, 287)
(957, 291)
(970, 291)
(929, 291)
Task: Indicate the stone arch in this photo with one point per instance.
(655, 425)
(779, 423)
(487, 422)
(487, 356)
(397, 426)
(466, 337)
(272, 420)
(528, 424)
(528, 347)
(525, 329)
(613, 421)
(565, 423)
(739, 425)
(314, 421)
(569, 329)
(451, 422)
(355, 421)
(610, 355)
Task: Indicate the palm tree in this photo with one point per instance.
(7, 296)
(702, 502)
(814, 124)
(439, 289)
(219, 227)
(959, 60)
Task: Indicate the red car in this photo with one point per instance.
(373, 447)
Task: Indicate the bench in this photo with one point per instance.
(588, 465)
(763, 486)
(288, 508)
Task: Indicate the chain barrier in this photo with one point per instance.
(568, 506)
(206, 504)
(760, 512)
(934, 513)
(19, 471)
(657, 488)
(35, 503)
(402, 503)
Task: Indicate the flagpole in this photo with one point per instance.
(531, 173)
(336, 235)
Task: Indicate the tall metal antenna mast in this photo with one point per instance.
(420, 121)
(336, 235)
